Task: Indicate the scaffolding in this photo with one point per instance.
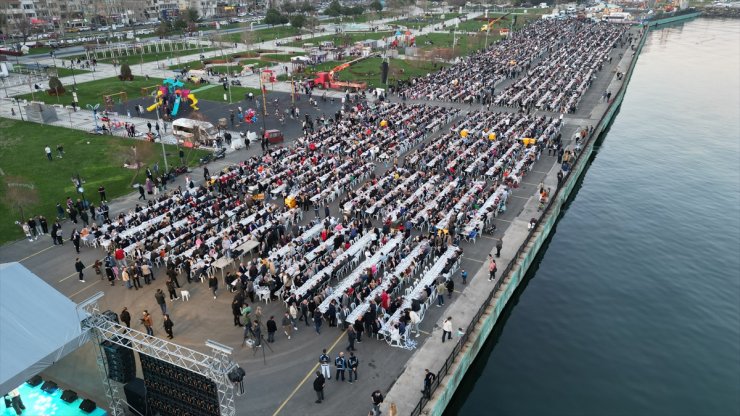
(215, 367)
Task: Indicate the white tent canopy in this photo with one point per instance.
(38, 326)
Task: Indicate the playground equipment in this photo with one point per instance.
(109, 101)
(171, 89)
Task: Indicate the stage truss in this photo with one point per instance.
(215, 367)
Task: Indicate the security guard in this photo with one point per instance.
(324, 362)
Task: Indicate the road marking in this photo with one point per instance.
(488, 238)
(500, 219)
(83, 289)
(38, 252)
(475, 260)
(521, 197)
(73, 274)
(425, 332)
(310, 373)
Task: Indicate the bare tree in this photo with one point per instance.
(24, 27)
(20, 194)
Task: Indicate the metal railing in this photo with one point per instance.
(593, 136)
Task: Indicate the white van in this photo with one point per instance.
(185, 129)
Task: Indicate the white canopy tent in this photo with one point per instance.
(38, 325)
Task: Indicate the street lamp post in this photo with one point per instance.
(20, 111)
(161, 140)
(72, 69)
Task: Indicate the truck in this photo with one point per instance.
(326, 80)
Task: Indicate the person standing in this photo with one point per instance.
(47, 150)
(171, 289)
(126, 278)
(304, 311)
(351, 337)
(491, 268)
(271, 326)
(352, 364)
(324, 364)
(257, 333)
(75, 237)
(447, 329)
(441, 289)
(499, 246)
(287, 325)
(341, 364)
(80, 267)
(236, 309)
(318, 386)
(136, 279)
(428, 380)
(376, 399)
(125, 317)
(464, 276)
(159, 296)
(32, 228)
(147, 321)
(450, 286)
(168, 324)
(101, 192)
(317, 320)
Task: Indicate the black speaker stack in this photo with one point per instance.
(384, 72)
(111, 316)
(49, 386)
(135, 391)
(171, 390)
(88, 406)
(69, 396)
(121, 361)
(35, 381)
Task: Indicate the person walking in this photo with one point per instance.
(464, 276)
(271, 326)
(428, 380)
(142, 194)
(125, 317)
(377, 399)
(318, 386)
(147, 321)
(136, 279)
(352, 364)
(168, 324)
(287, 325)
(80, 267)
(499, 246)
(351, 337)
(450, 286)
(213, 285)
(304, 311)
(341, 364)
(447, 329)
(324, 364)
(491, 268)
(159, 296)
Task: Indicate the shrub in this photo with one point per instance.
(126, 73)
(55, 86)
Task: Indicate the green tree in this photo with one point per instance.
(298, 21)
(56, 86)
(274, 17)
(376, 5)
(289, 8)
(126, 73)
(306, 7)
(180, 24)
(163, 29)
(191, 15)
(334, 9)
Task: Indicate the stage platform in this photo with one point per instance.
(39, 403)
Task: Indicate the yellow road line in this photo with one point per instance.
(310, 373)
(38, 252)
(84, 289)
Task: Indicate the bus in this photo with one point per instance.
(617, 17)
(76, 25)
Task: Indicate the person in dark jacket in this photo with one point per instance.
(213, 285)
(168, 324)
(271, 329)
(171, 289)
(351, 337)
(159, 296)
(318, 386)
(236, 310)
(359, 328)
(80, 267)
(352, 364)
(125, 317)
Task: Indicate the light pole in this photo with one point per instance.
(72, 69)
(20, 111)
(161, 140)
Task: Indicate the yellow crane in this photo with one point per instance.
(488, 26)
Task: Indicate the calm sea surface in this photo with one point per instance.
(634, 308)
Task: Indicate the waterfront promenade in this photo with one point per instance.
(283, 384)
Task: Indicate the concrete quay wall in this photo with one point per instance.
(457, 364)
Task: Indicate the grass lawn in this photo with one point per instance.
(279, 57)
(148, 57)
(347, 38)
(466, 44)
(368, 70)
(228, 69)
(423, 21)
(521, 21)
(217, 93)
(92, 92)
(40, 50)
(261, 35)
(66, 72)
(98, 163)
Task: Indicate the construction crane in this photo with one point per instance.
(327, 80)
(488, 26)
